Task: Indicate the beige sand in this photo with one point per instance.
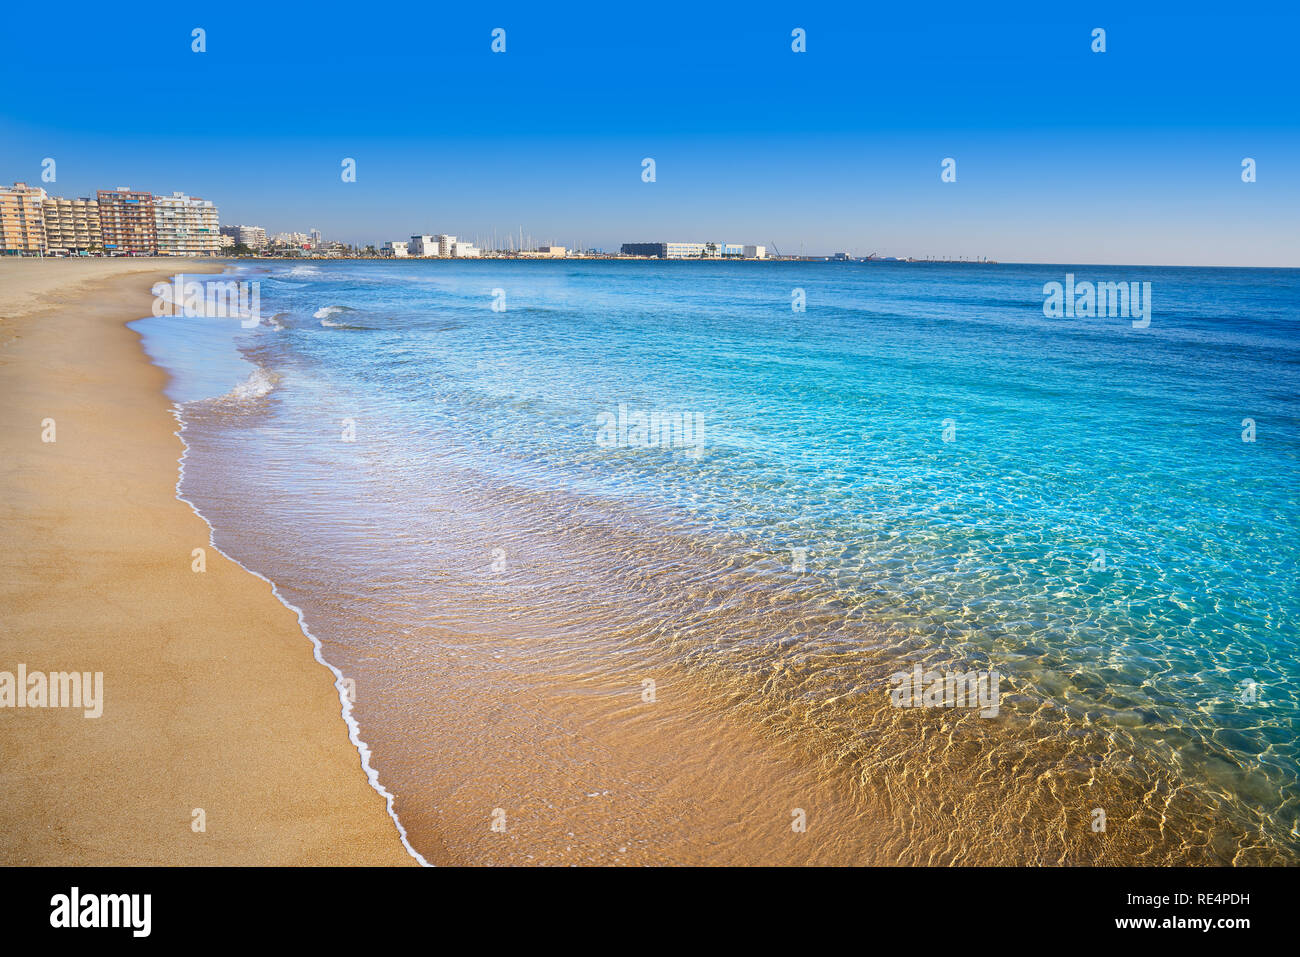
(213, 698)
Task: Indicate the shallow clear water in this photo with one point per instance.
(920, 468)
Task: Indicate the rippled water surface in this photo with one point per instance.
(920, 469)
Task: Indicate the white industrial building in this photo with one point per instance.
(695, 250)
(425, 246)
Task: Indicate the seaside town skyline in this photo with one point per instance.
(126, 222)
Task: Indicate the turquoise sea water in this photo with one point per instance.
(919, 468)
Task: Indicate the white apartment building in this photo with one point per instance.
(398, 249)
(186, 225)
(464, 251)
(755, 252)
(254, 237)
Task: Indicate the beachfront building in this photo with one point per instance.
(22, 220)
(126, 220)
(254, 237)
(185, 225)
(446, 244)
(72, 226)
(555, 252)
(396, 249)
(424, 245)
(464, 250)
(754, 252)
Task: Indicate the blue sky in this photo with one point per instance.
(1063, 155)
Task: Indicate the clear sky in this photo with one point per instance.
(1062, 155)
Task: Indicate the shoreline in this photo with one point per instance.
(318, 651)
(219, 740)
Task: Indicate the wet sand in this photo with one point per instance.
(213, 700)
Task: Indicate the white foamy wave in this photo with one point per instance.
(329, 316)
(259, 383)
(325, 314)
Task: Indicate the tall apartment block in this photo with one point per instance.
(185, 226)
(254, 237)
(72, 225)
(22, 223)
(126, 218)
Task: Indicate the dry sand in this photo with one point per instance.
(213, 698)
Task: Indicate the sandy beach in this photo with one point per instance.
(214, 709)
